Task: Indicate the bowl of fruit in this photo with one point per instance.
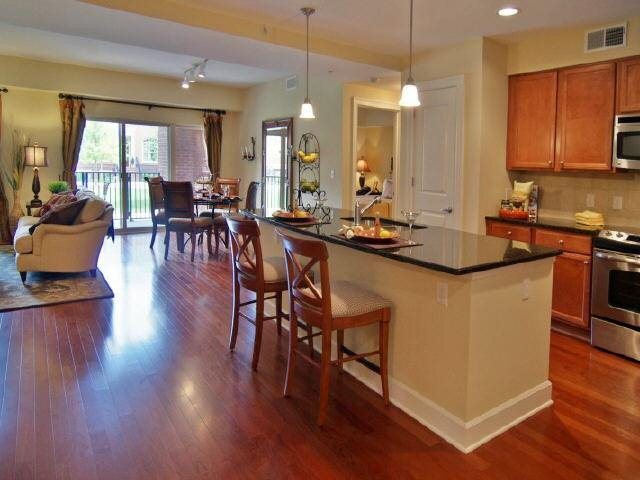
(307, 157)
(372, 235)
(296, 216)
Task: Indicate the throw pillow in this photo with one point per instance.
(57, 199)
(61, 214)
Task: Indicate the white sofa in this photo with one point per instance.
(63, 248)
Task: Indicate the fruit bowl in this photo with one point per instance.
(362, 234)
(297, 216)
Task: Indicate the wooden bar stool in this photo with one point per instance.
(330, 306)
(257, 274)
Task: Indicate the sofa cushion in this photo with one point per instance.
(93, 209)
(61, 214)
(56, 199)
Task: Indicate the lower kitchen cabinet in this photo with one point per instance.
(572, 270)
(572, 289)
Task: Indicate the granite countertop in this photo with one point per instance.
(566, 225)
(442, 249)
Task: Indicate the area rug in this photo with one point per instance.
(42, 288)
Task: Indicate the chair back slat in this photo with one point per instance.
(251, 199)
(232, 183)
(246, 251)
(301, 255)
(178, 199)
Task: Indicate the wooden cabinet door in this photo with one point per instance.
(628, 91)
(584, 127)
(572, 289)
(531, 128)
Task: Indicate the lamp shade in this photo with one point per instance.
(35, 156)
(362, 166)
(306, 111)
(409, 97)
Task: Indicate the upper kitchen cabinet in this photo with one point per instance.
(629, 86)
(531, 130)
(584, 125)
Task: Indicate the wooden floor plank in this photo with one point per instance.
(143, 386)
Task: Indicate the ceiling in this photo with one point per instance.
(70, 31)
(382, 25)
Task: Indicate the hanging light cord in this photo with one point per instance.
(410, 39)
(307, 13)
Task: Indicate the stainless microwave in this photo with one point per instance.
(626, 142)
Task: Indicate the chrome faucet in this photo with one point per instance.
(358, 212)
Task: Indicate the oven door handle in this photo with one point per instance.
(618, 258)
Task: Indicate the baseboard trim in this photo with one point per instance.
(465, 436)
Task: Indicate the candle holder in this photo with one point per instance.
(247, 154)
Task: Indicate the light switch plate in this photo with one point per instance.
(442, 293)
(591, 200)
(617, 202)
(332, 174)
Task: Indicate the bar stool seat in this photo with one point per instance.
(274, 269)
(350, 300)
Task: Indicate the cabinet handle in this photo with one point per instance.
(586, 262)
(550, 162)
(561, 241)
(509, 232)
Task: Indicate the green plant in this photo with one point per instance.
(58, 186)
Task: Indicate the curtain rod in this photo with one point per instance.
(141, 104)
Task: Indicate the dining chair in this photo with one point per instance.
(179, 211)
(156, 205)
(233, 187)
(329, 306)
(257, 274)
(251, 200)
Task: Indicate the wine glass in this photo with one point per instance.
(411, 216)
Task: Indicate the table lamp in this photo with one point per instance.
(35, 156)
(361, 167)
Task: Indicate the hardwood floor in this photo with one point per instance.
(143, 386)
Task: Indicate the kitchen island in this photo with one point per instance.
(470, 326)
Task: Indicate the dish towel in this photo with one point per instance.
(589, 218)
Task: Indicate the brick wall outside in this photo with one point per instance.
(189, 156)
(163, 152)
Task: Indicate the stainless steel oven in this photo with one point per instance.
(626, 142)
(615, 293)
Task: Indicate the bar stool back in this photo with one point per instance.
(329, 306)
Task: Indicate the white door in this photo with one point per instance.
(437, 152)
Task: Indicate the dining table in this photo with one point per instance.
(214, 200)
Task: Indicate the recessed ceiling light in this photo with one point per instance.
(508, 11)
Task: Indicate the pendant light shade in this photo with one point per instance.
(306, 110)
(410, 96)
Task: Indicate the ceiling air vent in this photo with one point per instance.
(291, 83)
(605, 38)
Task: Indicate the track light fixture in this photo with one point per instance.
(196, 72)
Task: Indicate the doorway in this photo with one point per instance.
(436, 167)
(277, 137)
(375, 154)
(115, 158)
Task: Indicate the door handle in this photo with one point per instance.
(446, 210)
(618, 258)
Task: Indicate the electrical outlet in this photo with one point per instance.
(526, 286)
(617, 202)
(442, 293)
(591, 200)
(332, 174)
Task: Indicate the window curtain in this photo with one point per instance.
(73, 123)
(213, 141)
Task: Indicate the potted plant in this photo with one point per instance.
(58, 186)
(13, 175)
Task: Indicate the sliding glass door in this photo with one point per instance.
(115, 158)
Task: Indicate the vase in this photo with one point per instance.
(16, 213)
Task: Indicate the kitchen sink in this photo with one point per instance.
(386, 221)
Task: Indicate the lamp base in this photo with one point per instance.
(361, 180)
(35, 203)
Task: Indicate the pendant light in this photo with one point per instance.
(410, 97)
(306, 111)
